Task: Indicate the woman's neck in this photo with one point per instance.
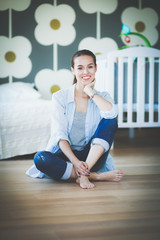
(81, 100)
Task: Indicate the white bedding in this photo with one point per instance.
(24, 126)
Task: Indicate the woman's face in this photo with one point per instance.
(84, 70)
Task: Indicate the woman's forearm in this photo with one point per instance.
(102, 103)
(80, 166)
(65, 148)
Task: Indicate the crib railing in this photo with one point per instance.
(132, 77)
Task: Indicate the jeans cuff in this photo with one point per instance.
(101, 142)
(68, 171)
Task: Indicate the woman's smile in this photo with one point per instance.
(86, 78)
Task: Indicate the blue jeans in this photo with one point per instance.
(54, 164)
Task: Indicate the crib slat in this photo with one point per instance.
(140, 90)
(130, 90)
(111, 76)
(159, 90)
(120, 89)
(151, 89)
(101, 75)
(104, 83)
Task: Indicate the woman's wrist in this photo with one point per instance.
(74, 160)
(92, 95)
(89, 91)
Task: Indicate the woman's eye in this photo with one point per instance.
(79, 68)
(90, 66)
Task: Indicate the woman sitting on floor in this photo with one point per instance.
(83, 127)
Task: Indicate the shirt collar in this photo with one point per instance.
(70, 96)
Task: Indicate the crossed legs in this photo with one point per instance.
(56, 165)
(105, 132)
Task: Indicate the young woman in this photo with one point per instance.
(83, 127)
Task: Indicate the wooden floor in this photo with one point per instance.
(35, 209)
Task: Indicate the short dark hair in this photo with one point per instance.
(79, 53)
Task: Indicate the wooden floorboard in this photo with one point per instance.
(57, 210)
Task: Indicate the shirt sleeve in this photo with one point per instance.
(58, 122)
(114, 111)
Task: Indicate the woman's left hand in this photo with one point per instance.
(81, 168)
(88, 89)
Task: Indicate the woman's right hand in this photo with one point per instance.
(81, 168)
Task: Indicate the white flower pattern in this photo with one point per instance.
(103, 6)
(141, 21)
(55, 24)
(98, 46)
(18, 5)
(14, 57)
(48, 81)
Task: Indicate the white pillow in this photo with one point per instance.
(18, 91)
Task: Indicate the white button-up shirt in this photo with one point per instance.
(63, 110)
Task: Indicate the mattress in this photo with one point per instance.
(24, 127)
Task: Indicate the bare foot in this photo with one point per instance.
(84, 182)
(112, 176)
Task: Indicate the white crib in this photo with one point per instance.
(132, 77)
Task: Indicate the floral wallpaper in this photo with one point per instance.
(39, 37)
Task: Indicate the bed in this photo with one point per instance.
(24, 120)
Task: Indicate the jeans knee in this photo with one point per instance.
(50, 164)
(39, 159)
(109, 124)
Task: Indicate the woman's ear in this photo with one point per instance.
(96, 67)
(72, 69)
